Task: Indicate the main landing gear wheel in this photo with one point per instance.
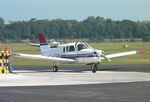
(55, 69)
(94, 68)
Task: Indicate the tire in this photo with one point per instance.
(55, 69)
(94, 68)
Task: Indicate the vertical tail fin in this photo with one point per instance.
(44, 47)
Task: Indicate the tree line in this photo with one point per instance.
(97, 28)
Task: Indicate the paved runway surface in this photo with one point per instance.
(119, 90)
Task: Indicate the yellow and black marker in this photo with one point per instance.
(6, 55)
(1, 69)
(4, 61)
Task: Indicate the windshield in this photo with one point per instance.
(88, 46)
(82, 46)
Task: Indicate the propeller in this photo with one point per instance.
(106, 57)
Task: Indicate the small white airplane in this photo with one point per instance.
(77, 52)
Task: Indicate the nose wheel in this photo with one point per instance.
(55, 69)
(94, 68)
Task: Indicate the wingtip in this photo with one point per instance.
(141, 51)
(15, 54)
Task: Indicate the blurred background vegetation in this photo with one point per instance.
(92, 28)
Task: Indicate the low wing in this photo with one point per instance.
(34, 44)
(40, 57)
(124, 54)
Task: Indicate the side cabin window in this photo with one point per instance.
(67, 49)
(70, 49)
(64, 49)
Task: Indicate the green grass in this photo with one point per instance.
(108, 48)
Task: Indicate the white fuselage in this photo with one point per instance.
(81, 52)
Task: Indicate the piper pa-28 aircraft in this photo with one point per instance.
(77, 52)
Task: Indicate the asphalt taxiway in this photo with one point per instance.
(125, 83)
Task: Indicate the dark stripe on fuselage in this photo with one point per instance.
(78, 56)
(43, 44)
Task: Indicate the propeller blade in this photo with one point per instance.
(106, 58)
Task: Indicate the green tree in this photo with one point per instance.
(2, 23)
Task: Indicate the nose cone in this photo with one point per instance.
(99, 52)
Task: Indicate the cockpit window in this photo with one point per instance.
(81, 46)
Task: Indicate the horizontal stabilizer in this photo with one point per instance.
(34, 44)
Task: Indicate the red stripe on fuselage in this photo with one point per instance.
(76, 54)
